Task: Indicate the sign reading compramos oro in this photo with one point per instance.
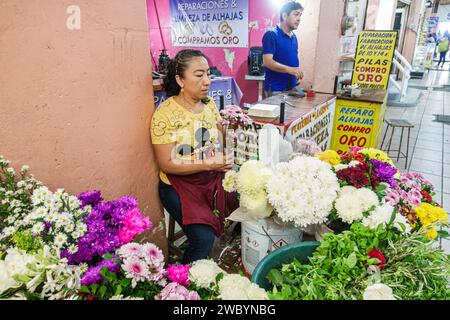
(373, 59)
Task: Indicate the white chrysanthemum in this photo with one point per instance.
(378, 291)
(69, 228)
(41, 195)
(76, 234)
(72, 249)
(349, 208)
(252, 177)
(8, 231)
(74, 202)
(306, 179)
(233, 287)
(81, 227)
(367, 197)
(21, 184)
(37, 228)
(11, 171)
(83, 267)
(10, 219)
(50, 217)
(381, 215)
(229, 181)
(204, 272)
(60, 240)
(252, 202)
(24, 169)
(237, 287)
(254, 292)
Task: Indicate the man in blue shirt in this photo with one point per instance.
(280, 51)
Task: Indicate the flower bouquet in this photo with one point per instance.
(48, 240)
(372, 174)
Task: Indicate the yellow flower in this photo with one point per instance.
(429, 214)
(430, 233)
(379, 155)
(330, 156)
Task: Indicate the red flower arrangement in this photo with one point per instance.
(358, 176)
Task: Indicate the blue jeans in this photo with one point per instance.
(200, 236)
(442, 57)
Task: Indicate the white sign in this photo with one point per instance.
(197, 23)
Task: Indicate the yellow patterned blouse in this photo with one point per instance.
(195, 134)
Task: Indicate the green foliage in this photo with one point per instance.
(417, 270)
(338, 268)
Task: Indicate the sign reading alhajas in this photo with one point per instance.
(219, 23)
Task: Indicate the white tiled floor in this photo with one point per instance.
(429, 140)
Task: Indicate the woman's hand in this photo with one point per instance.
(220, 162)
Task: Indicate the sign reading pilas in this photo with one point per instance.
(373, 59)
(212, 23)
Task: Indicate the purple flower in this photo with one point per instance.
(384, 171)
(103, 225)
(92, 275)
(91, 198)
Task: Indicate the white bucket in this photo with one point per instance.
(260, 237)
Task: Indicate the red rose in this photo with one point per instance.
(375, 254)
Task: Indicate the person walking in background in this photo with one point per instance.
(443, 46)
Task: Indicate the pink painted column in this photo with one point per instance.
(76, 105)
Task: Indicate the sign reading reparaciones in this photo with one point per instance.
(373, 59)
(219, 23)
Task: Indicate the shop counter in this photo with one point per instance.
(305, 118)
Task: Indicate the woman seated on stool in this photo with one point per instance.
(186, 140)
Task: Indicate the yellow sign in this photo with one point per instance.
(374, 59)
(356, 124)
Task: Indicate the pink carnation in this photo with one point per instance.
(179, 274)
(175, 291)
(133, 224)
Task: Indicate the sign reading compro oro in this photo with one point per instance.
(374, 59)
(208, 23)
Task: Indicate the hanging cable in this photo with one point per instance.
(159, 25)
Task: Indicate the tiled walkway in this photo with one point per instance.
(429, 140)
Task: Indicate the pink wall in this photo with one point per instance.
(328, 45)
(259, 10)
(76, 105)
